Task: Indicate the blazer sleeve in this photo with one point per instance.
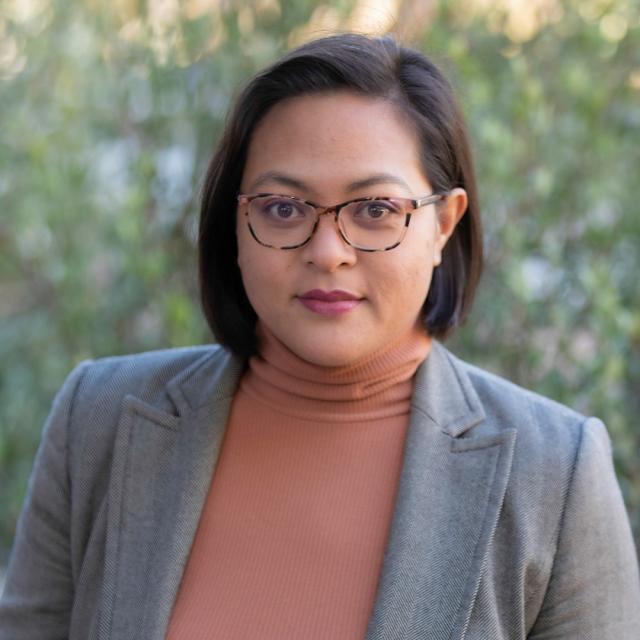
(594, 588)
(38, 593)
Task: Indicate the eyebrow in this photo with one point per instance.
(378, 178)
(275, 176)
(290, 181)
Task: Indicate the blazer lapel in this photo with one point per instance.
(162, 468)
(449, 498)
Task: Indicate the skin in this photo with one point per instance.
(320, 146)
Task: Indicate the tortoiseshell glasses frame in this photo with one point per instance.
(400, 209)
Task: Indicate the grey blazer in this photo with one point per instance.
(508, 522)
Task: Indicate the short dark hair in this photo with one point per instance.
(371, 66)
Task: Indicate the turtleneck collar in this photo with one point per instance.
(378, 386)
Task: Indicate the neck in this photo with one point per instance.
(379, 385)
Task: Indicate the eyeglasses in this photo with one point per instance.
(368, 224)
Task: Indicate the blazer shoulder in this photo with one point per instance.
(101, 386)
(541, 424)
(143, 375)
(496, 391)
(99, 389)
(562, 523)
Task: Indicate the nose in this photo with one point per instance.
(327, 250)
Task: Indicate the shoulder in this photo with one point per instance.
(85, 419)
(146, 375)
(551, 439)
(508, 405)
(562, 537)
(91, 401)
(498, 393)
(161, 364)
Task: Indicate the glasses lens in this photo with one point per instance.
(280, 221)
(373, 224)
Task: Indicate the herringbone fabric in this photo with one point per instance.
(508, 521)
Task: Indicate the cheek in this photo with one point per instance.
(248, 265)
(403, 287)
(416, 284)
(415, 280)
(420, 264)
(261, 276)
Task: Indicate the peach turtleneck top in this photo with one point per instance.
(292, 535)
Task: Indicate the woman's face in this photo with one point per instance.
(329, 148)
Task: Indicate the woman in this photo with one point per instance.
(331, 471)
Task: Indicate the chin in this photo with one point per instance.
(326, 345)
(335, 356)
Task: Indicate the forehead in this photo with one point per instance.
(334, 138)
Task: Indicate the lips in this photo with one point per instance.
(328, 296)
(329, 303)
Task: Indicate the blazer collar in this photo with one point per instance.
(442, 389)
(206, 382)
(444, 393)
(449, 496)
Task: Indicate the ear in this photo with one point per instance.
(449, 214)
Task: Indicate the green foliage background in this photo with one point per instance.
(109, 112)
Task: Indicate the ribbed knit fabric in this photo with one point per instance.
(292, 535)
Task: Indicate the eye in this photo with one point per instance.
(280, 209)
(376, 209)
